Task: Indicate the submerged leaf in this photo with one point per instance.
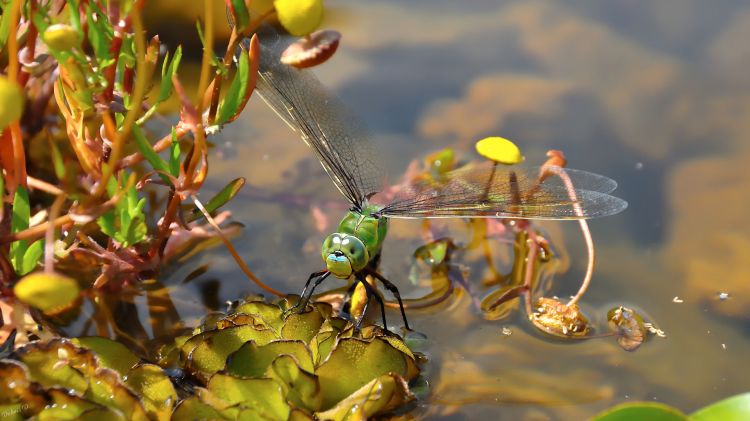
(553, 317)
(628, 326)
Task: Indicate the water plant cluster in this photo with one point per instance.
(104, 151)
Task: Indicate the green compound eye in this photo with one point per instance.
(344, 254)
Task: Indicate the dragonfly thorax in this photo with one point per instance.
(357, 241)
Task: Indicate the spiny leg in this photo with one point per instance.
(394, 290)
(371, 292)
(305, 296)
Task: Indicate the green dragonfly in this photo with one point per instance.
(343, 146)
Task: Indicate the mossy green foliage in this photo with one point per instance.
(256, 362)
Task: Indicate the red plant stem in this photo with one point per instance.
(31, 37)
(233, 252)
(110, 72)
(560, 172)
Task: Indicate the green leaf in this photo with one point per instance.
(235, 96)
(652, 411)
(4, 24)
(167, 71)
(220, 199)
(240, 14)
(382, 394)
(100, 33)
(151, 156)
(32, 257)
(207, 352)
(736, 408)
(263, 396)
(355, 362)
(194, 408)
(155, 389)
(111, 354)
(19, 222)
(174, 155)
(252, 360)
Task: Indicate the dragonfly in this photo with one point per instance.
(344, 147)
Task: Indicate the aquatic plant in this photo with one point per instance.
(248, 363)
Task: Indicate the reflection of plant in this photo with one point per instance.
(251, 363)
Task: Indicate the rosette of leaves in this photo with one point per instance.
(259, 363)
(86, 378)
(252, 363)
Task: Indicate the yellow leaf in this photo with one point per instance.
(500, 150)
(11, 102)
(48, 292)
(299, 17)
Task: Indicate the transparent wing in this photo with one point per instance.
(338, 137)
(507, 192)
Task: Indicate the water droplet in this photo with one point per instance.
(677, 300)
(638, 166)
(723, 296)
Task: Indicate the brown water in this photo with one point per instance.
(656, 96)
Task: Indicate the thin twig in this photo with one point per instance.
(560, 172)
(44, 186)
(233, 252)
(49, 240)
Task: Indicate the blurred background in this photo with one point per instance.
(653, 94)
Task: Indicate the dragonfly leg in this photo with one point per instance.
(305, 296)
(394, 290)
(372, 293)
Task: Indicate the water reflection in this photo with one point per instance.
(655, 96)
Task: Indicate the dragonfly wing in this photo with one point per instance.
(507, 192)
(339, 139)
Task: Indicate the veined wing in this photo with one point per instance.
(507, 192)
(338, 137)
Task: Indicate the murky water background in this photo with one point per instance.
(655, 95)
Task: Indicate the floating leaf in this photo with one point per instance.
(355, 362)
(156, 390)
(110, 353)
(299, 17)
(500, 150)
(312, 50)
(263, 396)
(49, 292)
(195, 408)
(382, 394)
(301, 387)
(19, 398)
(652, 411)
(628, 327)
(207, 353)
(736, 408)
(553, 317)
(252, 360)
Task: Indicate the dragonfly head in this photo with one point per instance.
(344, 254)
